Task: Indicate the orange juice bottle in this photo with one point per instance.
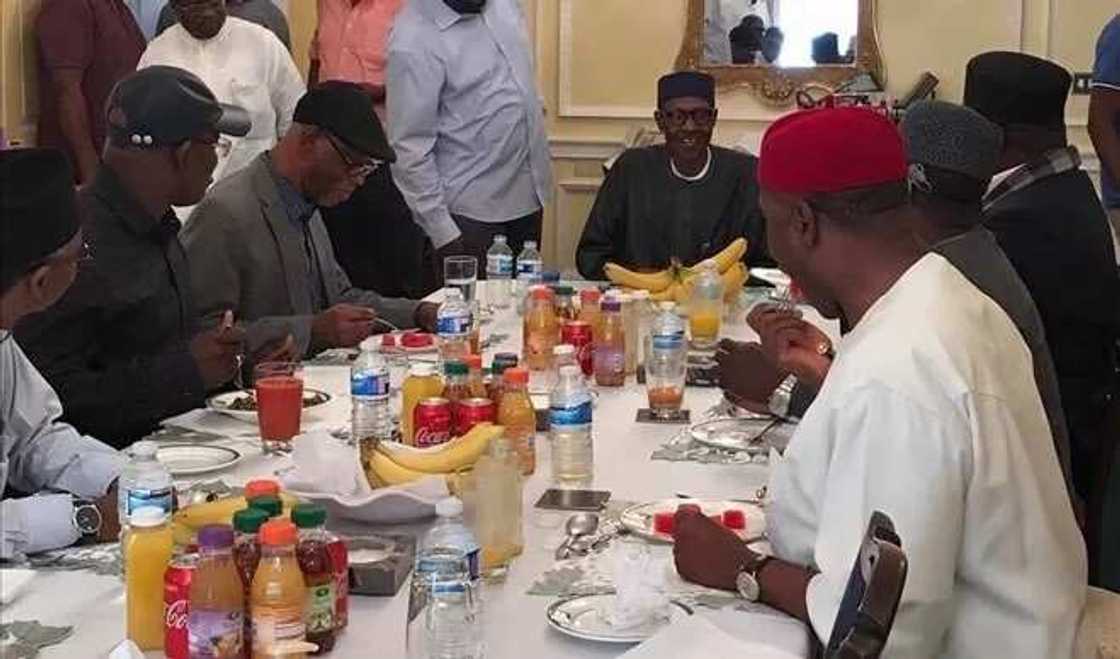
(517, 415)
(475, 382)
(422, 382)
(540, 330)
(215, 625)
(147, 552)
(279, 594)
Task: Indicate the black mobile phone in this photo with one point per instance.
(585, 500)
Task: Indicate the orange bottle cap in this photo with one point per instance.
(541, 293)
(261, 487)
(278, 532)
(516, 376)
(474, 362)
(589, 295)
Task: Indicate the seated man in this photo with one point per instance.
(1047, 217)
(262, 12)
(684, 199)
(40, 246)
(257, 243)
(929, 414)
(121, 347)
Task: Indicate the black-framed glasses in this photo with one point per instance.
(702, 117)
(356, 166)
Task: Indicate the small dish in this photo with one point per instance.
(582, 617)
(192, 459)
(224, 403)
(639, 519)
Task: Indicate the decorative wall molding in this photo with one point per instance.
(586, 149)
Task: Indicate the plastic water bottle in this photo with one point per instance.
(570, 429)
(144, 482)
(444, 608)
(450, 531)
(369, 395)
(499, 272)
(528, 267)
(453, 324)
(666, 360)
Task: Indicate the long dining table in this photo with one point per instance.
(514, 622)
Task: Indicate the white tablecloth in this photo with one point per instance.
(515, 622)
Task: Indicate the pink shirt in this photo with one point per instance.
(352, 40)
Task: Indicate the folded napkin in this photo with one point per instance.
(760, 636)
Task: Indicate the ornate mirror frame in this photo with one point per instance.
(778, 86)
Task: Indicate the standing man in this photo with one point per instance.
(466, 122)
(73, 477)
(262, 12)
(85, 47)
(1104, 119)
(120, 347)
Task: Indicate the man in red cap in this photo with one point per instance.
(928, 414)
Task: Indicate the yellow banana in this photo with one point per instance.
(667, 295)
(458, 453)
(654, 282)
(731, 254)
(733, 281)
(187, 521)
(383, 472)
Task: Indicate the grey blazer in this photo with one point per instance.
(247, 256)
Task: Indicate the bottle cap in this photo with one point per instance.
(259, 487)
(368, 344)
(550, 276)
(449, 507)
(215, 536)
(530, 243)
(309, 515)
(516, 375)
(611, 304)
(541, 293)
(278, 532)
(589, 296)
(269, 503)
(455, 368)
(563, 350)
(147, 517)
(249, 520)
(145, 448)
(422, 370)
(474, 362)
(564, 290)
(500, 238)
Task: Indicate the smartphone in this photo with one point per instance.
(582, 500)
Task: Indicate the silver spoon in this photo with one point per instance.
(577, 526)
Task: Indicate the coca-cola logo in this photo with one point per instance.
(426, 437)
(175, 614)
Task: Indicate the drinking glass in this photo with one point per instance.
(462, 273)
(444, 609)
(279, 389)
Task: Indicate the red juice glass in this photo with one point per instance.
(279, 389)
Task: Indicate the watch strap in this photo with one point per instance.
(780, 400)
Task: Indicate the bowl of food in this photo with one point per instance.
(242, 405)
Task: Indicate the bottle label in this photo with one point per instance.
(215, 634)
(668, 341)
(320, 607)
(368, 383)
(453, 325)
(576, 415)
(160, 498)
(499, 264)
(528, 267)
(272, 625)
(609, 360)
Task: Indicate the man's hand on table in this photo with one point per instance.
(748, 377)
(794, 345)
(425, 316)
(216, 352)
(342, 326)
(110, 523)
(706, 553)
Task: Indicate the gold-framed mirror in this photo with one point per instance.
(777, 47)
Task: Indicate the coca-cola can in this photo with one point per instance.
(472, 411)
(578, 334)
(177, 605)
(431, 421)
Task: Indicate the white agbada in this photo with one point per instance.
(245, 65)
(930, 414)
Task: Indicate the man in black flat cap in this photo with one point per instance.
(120, 347)
(1045, 213)
(257, 243)
(685, 199)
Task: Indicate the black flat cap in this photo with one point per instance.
(686, 84)
(1016, 89)
(166, 106)
(38, 209)
(345, 110)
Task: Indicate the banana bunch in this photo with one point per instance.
(392, 463)
(186, 522)
(674, 283)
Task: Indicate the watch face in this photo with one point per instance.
(747, 586)
(88, 519)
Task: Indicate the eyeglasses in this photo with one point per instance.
(702, 117)
(356, 167)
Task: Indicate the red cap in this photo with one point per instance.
(261, 487)
(541, 293)
(589, 295)
(474, 362)
(278, 532)
(516, 375)
(831, 150)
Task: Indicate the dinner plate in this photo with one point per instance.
(585, 617)
(191, 459)
(221, 403)
(753, 434)
(639, 518)
(771, 276)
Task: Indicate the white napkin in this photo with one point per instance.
(326, 465)
(699, 637)
(639, 593)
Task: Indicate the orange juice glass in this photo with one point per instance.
(279, 388)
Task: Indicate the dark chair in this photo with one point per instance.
(867, 611)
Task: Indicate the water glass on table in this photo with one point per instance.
(462, 272)
(444, 609)
(279, 389)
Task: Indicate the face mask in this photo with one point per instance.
(466, 6)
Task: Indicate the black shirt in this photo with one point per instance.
(116, 346)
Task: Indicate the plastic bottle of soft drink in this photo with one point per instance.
(369, 395)
(499, 272)
(570, 429)
(144, 481)
(453, 324)
(528, 267)
(450, 532)
(610, 346)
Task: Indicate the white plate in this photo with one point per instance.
(220, 403)
(584, 617)
(191, 459)
(753, 434)
(639, 519)
(771, 276)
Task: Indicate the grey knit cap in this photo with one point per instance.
(952, 138)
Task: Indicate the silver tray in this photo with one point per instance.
(582, 617)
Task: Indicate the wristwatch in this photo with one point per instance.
(87, 519)
(778, 404)
(746, 582)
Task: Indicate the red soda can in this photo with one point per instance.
(578, 334)
(177, 605)
(340, 566)
(471, 412)
(432, 422)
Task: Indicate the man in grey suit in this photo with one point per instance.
(257, 243)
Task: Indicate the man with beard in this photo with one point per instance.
(257, 242)
(929, 414)
(685, 199)
(242, 63)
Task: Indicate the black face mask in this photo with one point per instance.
(466, 6)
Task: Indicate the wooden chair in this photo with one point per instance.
(871, 599)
